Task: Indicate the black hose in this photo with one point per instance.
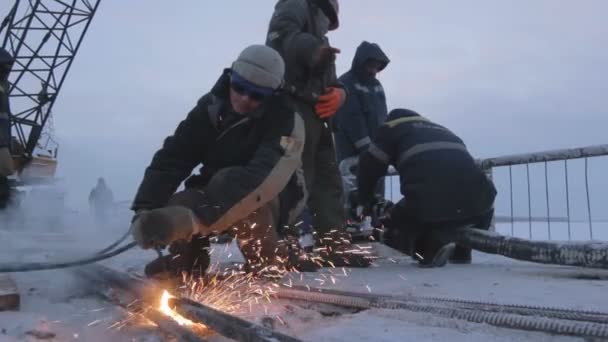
(39, 266)
(116, 243)
(590, 254)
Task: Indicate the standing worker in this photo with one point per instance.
(297, 30)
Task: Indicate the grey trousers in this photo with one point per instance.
(321, 173)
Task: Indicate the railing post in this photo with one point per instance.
(490, 174)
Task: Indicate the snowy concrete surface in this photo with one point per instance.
(56, 302)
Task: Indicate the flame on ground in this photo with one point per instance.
(236, 292)
(164, 308)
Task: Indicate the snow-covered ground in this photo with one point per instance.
(56, 302)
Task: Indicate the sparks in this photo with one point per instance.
(93, 323)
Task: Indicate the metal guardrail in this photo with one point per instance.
(560, 161)
(546, 156)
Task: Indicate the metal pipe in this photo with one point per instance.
(102, 278)
(511, 198)
(526, 310)
(547, 199)
(500, 319)
(539, 157)
(567, 199)
(588, 198)
(170, 326)
(150, 293)
(230, 326)
(529, 200)
(545, 156)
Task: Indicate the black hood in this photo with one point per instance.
(401, 113)
(365, 52)
(330, 8)
(222, 85)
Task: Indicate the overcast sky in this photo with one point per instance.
(507, 76)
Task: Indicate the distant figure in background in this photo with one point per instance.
(101, 200)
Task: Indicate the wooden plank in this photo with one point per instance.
(9, 294)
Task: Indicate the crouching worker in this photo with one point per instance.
(442, 186)
(249, 143)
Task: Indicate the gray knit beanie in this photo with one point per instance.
(260, 65)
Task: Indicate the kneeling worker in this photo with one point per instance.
(443, 188)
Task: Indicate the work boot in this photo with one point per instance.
(435, 254)
(185, 259)
(288, 257)
(335, 249)
(5, 192)
(300, 261)
(223, 239)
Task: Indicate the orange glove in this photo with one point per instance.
(328, 103)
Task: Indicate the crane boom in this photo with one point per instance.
(43, 36)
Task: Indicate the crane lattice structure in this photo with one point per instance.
(43, 36)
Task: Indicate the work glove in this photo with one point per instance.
(328, 103)
(163, 226)
(377, 209)
(322, 58)
(381, 212)
(6, 162)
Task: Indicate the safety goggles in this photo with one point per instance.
(246, 88)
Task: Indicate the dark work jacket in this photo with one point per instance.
(364, 110)
(296, 30)
(440, 180)
(247, 161)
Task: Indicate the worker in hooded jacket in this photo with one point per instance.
(365, 109)
(363, 112)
